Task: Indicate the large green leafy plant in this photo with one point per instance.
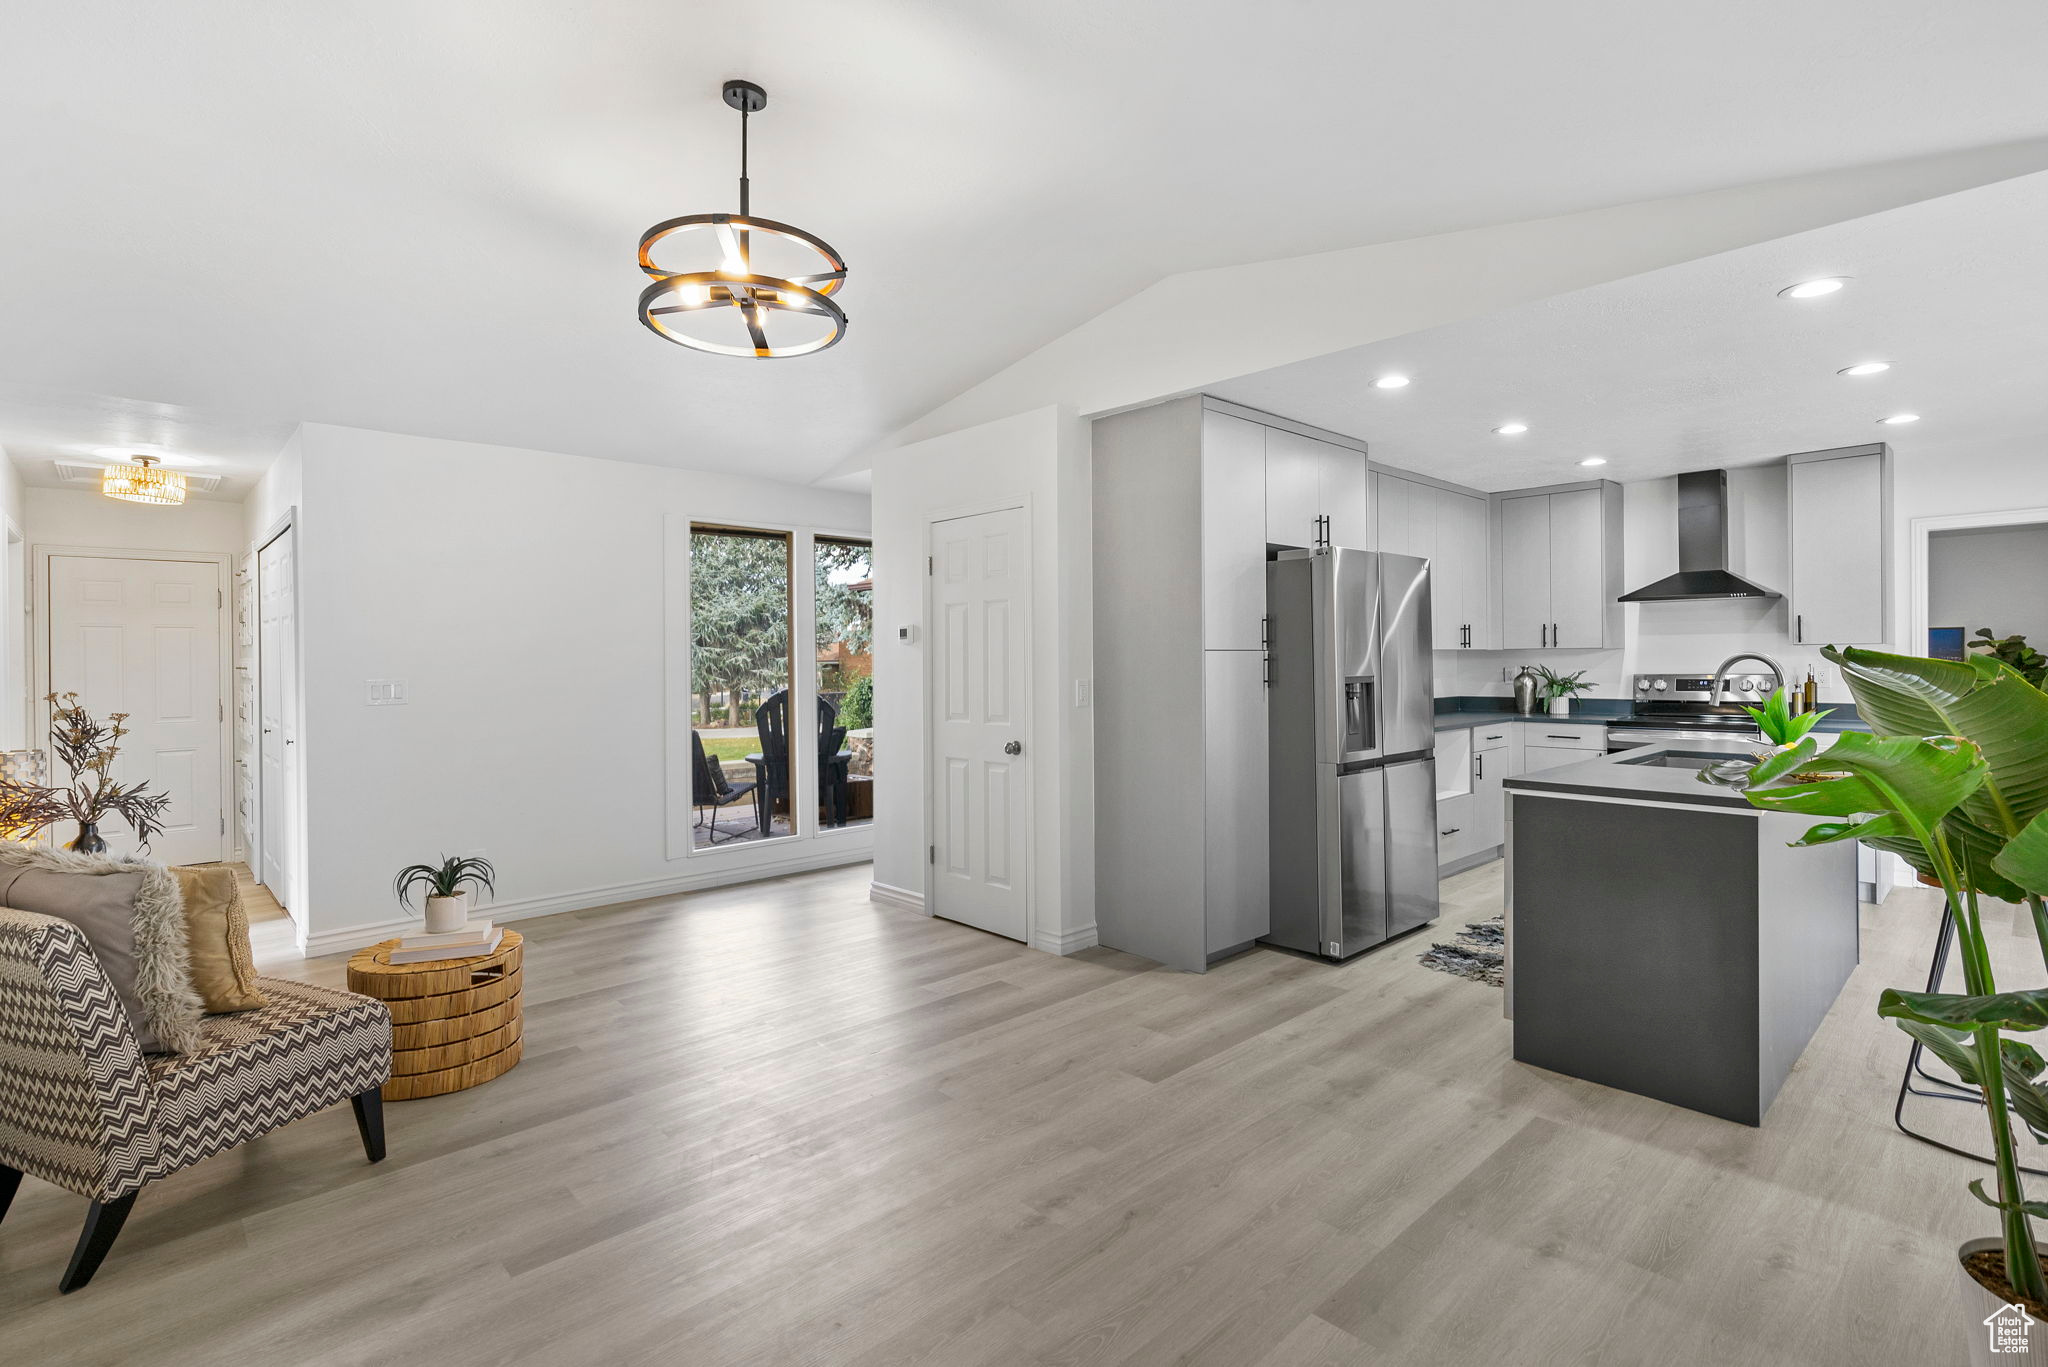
(1955, 780)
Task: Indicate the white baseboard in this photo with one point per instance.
(891, 896)
(1065, 941)
(350, 938)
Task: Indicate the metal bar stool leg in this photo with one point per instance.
(1943, 1089)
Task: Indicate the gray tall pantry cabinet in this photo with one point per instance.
(1188, 495)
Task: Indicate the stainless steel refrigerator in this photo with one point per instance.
(1351, 713)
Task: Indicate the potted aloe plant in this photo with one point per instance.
(1781, 727)
(1955, 780)
(447, 897)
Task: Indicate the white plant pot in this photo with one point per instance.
(2020, 1343)
(1560, 707)
(445, 914)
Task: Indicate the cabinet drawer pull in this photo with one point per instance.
(1452, 831)
(1552, 735)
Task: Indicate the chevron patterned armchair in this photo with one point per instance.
(83, 1107)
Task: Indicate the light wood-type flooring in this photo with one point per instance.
(779, 1124)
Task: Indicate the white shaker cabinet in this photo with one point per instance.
(1840, 521)
(1560, 569)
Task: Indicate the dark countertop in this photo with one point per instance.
(1628, 775)
(1455, 713)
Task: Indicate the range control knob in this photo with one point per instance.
(1659, 684)
(1642, 685)
(1754, 683)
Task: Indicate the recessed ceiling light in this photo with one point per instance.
(1865, 368)
(1899, 419)
(1512, 429)
(1594, 460)
(1813, 289)
(1391, 382)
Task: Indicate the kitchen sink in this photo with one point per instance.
(1684, 759)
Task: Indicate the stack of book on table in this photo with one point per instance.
(476, 938)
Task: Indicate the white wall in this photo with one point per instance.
(1036, 460)
(80, 517)
(280, 490)
(16, 728)
(1991, 577)
(521, 596)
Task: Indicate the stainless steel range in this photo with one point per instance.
(1685, 706)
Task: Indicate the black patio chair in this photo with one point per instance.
(771, 720)
(710, 788)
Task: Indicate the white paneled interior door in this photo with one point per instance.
(277, 740)
(143, 637)
(980, 655)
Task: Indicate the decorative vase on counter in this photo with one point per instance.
(1560, 707)
(445, 914)
(1527, 686)
(88, 840)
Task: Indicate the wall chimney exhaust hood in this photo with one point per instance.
(1702, 547)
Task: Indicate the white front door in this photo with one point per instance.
(277, 741)
(980, 648)
(143, 637)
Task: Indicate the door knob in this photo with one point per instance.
(1015, 747)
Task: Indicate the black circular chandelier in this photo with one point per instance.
(767, 296)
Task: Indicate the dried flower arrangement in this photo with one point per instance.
(87, 746)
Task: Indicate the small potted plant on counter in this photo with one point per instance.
(1560, 689)
(1955, 781)
(447, 897)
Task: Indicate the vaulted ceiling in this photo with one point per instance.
(422, 217)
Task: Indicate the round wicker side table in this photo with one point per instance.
(455, 1023)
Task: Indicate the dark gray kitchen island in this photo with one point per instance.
(1661, 937)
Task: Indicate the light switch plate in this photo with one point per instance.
(385, 693)
(1084, 692)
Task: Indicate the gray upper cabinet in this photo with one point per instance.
(1308, 480)
(1840, 522)
(1233, 532)
(1345, 486)
(1294, 499)
(1448, 528)
(1560, 568)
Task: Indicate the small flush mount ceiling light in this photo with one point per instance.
(1900, 419)
(1512, 429)
(1391, 382)
(1865, 368)
(143, 482)
(1594, 460)
(1814, 289)
(769, 295)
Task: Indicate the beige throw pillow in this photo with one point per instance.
(217, 934)
(132, 915)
